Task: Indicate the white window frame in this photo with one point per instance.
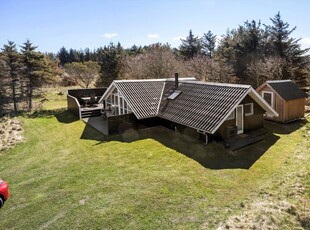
(251, 108)
(231, 116)
(272, 97)
(117, 103)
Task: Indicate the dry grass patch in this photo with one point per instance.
(11, 132)
(282, 203)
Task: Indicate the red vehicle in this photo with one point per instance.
(4, 192)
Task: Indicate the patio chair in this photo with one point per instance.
(92, 100)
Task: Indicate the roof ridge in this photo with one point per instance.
(278, 81)
(219, 84)
(139, 80)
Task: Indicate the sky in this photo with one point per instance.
(77, 24)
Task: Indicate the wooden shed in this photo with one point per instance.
(284, 97)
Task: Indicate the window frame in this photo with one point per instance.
(231, 116)
(251, 108)
(272, 97)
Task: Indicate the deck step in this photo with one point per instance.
(90, 113)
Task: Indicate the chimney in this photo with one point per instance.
(176, 81)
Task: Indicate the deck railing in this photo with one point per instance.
(74, 106)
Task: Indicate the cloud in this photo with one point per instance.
(218, 39)
(109, 35)
(305, 42)
(178, 38)
(153, 36)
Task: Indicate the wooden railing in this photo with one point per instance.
(74, 106)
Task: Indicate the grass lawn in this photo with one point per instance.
(69, 176)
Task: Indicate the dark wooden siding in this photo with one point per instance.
(119, 124)
(73, 105)
(251, 122)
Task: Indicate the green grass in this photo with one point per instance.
(67, 176)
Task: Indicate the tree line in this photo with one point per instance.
(21, 72)
(250, 54)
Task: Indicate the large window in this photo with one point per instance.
(268, 96)
(117, 104)
(248, 109)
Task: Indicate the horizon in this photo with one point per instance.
(52, 25)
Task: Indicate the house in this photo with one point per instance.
(209, 109)
(285, 98)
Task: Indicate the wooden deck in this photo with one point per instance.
(239, 141)
(91, 108)
(91, 111)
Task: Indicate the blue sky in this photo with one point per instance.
(51, 24)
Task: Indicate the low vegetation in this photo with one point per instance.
(66, 175)
(11, 132)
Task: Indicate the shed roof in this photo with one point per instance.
(287, 89)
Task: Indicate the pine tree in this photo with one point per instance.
(12, 59)
(190, 47)
(74, 56)
(36, 68)
(110, 61)
(208, 43)
(63, 56)
(282, 45)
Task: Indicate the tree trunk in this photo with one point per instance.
(14, 96)
(30, 96)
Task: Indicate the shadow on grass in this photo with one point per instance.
(212, 156)
(90, 133)
(286, 128)
(62, 115)
(65, 117)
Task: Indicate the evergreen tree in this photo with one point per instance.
(110, 60)
(208, 44)
(87, 55)
(36, 68)
(63, 56)
(282, 45)
(240, 47)
(190, 47)
(74, 56)
(12, 59)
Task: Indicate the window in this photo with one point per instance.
(248, 109)
(231, 116)
(268, 96)
(116, 104)
(174, 95)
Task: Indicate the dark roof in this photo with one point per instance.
(199, 105)
(202, 106)
(287, 89)
(143, 96)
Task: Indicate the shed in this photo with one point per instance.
(285, 98)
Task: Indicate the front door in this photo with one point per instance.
(239, 118)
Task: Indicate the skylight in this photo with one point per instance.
(174, 95)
